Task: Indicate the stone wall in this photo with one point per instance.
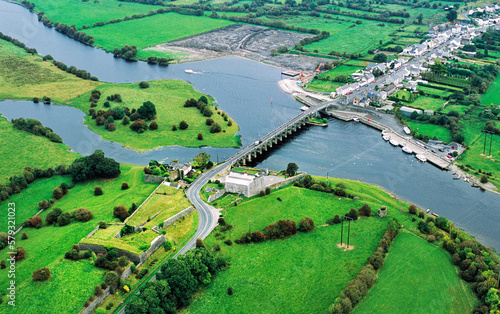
(149, 178)
(93, 232)
(288, 181)
(96, 302)
(155, 245)
(101, 249)
(138, 208)
(127, 272)
(178, 216)
(216, 195)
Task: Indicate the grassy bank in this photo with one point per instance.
(24, 76)
(169, 97)
(22, 149)
(72, 281)
(431, 284)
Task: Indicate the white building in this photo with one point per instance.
(244, 183)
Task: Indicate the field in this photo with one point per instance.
(323, 86)
(19, 150)
(492, 94)
(424, 102)
(73, 281)
(23, 76)
(169, 97)
(152, 30)
(81, 13)
(431, 130)
(431, 284)
(402, 95)
(341, 70)
(434, 91)
(458, 108)
(255, 275)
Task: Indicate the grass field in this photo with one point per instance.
(342, 69)
(81, 13)
(153, 30)
(20, 149)
(45, 247)
(323, 86)
(458, 108)
(424, 102)
(271, 275)
(492, 95)
(419, 276)
(23, 76)
(431, 130)
(402, 95)
(169, 97)
(434, 91)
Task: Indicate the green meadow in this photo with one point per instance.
(431, 130)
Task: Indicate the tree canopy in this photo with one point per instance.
(147, 111)
(94, 166)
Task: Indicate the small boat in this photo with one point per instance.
(304, 108)
(474, 185)
(386, 137)
(456, 178)
(407, 130)
(355, 119)
(428, 210)
(407, 150)
(189, 71)
(434, 214)
(394, 143)
(422, 158)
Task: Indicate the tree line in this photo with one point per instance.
(67, 30)
(34, 126)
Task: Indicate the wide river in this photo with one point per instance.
(244, 89)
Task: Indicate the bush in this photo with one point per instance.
(431, 238)
(143, 84)
(124, 185)
(3, 264)
(98, 191)
(199, 243)
(64, 219)
(20, 254)
(57, 193)
(282, 228)
(183, 125)
(167, 246)
(24, 236)
(35, 221)
(215, 128)
(52, 216)
(421, 214)
(376, 260)
(111, 127)
(200, 136)
(126, 120)
(412, 209)
(102, 225)
(174, 128)
(209, 121)
(306, 225)
(484, 179)
(123, 261)
(230, 290)
(83, 215)
(41, 274)
(121, 212)
(138, 125)
(153, 125)
(352, 214)
(365, 210)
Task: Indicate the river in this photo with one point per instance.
(244, 89)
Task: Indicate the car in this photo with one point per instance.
(441, 149)
(434, 151)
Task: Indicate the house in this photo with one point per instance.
(411, 85)
(177, 168)
(244, 183)
(377, 96)
(382, 211)
(429, 112)
(389, 89)
(364, 102)
(407, 111)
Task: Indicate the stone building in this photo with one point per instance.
(245, 183)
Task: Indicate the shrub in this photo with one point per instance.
(24, 236)
(138, 124)
(41, 274)
(143, 84)
(64, 219)
(3, 264)
(209, 121)
(124, 185)
(230, 290)
(484, 179)
(112, 279)
(35, 221)
(431, 238)
(412, 209)
(376, 260)
(199, 243)
(123, 261)
(282, 228)
(365, 210)
(83, 214)
(167, 246)
(126, 120)
(352, 214)
(215, 128)
(421, 214)
(102, 225)
(52, 216)
(111, 127)
(120, 212)
(153, 125)
(20, 254)
(183, 125)
(258, 236)
(228, 242)
(43, 204)
(57, 193)
(174, 128)
(200, 136)
(306, 225)
(98, 191)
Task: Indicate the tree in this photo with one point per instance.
(412, 209)
(380, 57)
(155, 297)
(41, 274)
(209, 121)
(64, 219)
(202, 160)
(230, 290)
(200, 136)
(19, 254)
(306, 225)
(215, 128)
(83, 214)
(124, 185)
(112, 279)
(143, 84)
(352, 214)
(35, 221)
(420, 17)
(24, 236)
(139, 126)
(120, 212)
(94, 166)
(484, 179)
(52, 216)
(126, 120)
(180, 279)
(439, 68)
(452, 15)
(398, 49)
(442, 223)
(153, 125)
(183, 125)
(365, 210)
(147, 111)
(291, 169)
(98, 191)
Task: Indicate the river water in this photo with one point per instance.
(249, 93)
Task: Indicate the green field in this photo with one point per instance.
(402, 95)
(434, 91)
(270, 276)
(45, 247)
(19, 150)
(153, 30)
(424, 102)
(355, 62)
(23, 76)
(458, 108)
(342, 69)
(431, 130)
(81, 13)
(418, 276)
(492, 95)
(323, 86)
(169, 97)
